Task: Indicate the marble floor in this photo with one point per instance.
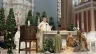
(4, 51)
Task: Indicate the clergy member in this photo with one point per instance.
(43, 26)
(16, 40)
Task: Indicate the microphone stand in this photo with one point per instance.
(46, 28)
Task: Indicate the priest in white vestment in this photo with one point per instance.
(43, 26)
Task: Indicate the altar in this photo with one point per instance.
(52, 34)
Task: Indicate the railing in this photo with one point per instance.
(83, 3)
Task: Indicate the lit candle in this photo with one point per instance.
(28, 23)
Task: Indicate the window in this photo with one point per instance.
(29, 0)
(75, 2)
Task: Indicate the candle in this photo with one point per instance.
(38, 20)
(28, 23)
(78, 23)
(82, 25)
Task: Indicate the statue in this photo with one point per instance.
(76, 45)
(69, 40)
(58, 43)
(84, 42)
(80, 42)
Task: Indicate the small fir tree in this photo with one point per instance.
(29, 18)
(2, 19)
(51, 23)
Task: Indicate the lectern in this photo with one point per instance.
(28, 34)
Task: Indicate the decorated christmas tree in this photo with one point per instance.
(51, 23)
(10, 43)
(10, 25)
(29, 18)
(2, 19)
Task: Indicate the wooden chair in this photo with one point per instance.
(28, 34)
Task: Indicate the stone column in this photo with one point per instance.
(66, 13)
(92, 17)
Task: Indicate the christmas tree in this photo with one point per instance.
(43, 15)
(2, 19)
(10, 43)
(10, 25)
(51, 23)
(29, 18)
(10, 22)
(36, 19)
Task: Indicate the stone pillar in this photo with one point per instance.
(66, 13)
(92, 17)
